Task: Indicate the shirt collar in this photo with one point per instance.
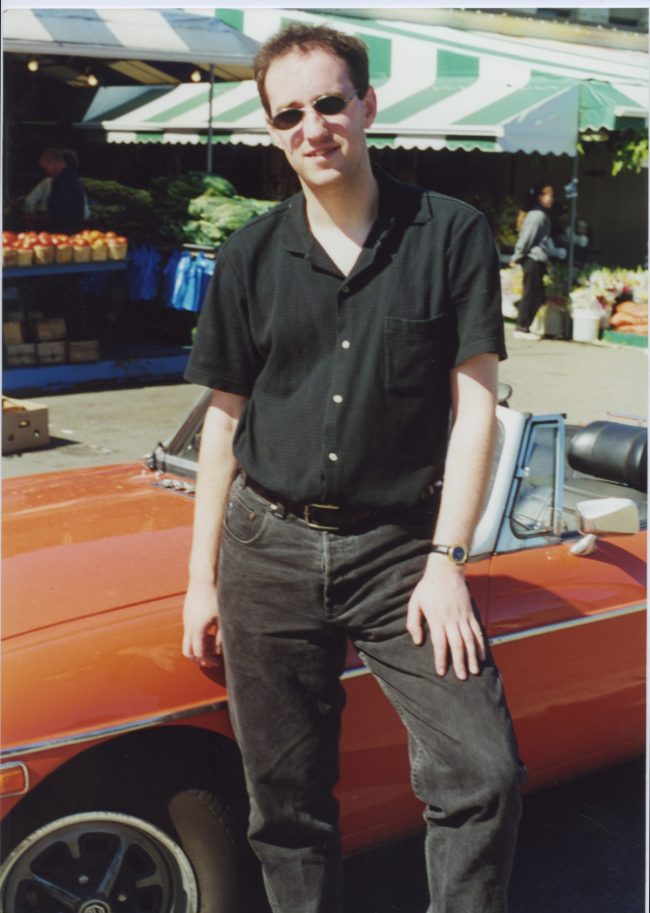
(397, 201)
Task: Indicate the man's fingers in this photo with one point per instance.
(470, 645)
(414, 621)
(457, 649)
(440, 649)
(480, 640)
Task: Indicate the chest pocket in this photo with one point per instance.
(414, 354)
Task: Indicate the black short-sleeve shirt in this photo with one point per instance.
(348, 376)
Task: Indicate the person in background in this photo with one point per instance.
(67, 201)
(36, 199)
(533, 249)
(360, 310)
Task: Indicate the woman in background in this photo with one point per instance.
(533, 248)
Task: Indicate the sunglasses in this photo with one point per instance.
(326, 106)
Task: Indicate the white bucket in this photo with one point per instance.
(586, 325)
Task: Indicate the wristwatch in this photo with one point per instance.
(457, 554)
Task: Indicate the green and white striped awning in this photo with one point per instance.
(138, 44)
(437, 88)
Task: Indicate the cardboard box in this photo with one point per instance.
(83, 350)
(50, 328)
(20, 355)
(50, 353)
(25, 425)
(12, 332)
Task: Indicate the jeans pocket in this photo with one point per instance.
(244, 522)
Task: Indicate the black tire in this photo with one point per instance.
(177, 855)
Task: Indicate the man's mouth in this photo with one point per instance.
(322, 152)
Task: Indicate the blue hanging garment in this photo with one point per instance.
(186, 279)
(144, 272)
(151, 274)
(207, 272)
(134, 271)
(169, 277)
(180, 281)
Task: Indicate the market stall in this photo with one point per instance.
(77, 285)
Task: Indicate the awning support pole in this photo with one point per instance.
(208, 163)
(571, 191)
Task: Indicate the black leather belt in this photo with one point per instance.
(330, 517)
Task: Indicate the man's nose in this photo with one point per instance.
(313, 124)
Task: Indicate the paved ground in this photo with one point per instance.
(111, 426)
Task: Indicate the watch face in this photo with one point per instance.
(458, 554)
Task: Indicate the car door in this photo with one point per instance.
(568, 632)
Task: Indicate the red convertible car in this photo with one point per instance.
(120, 778)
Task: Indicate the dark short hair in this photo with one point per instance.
(71, 158)
(298, 37)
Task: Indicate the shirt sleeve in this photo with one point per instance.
(528, 236)
(224, 356)
(475, 292)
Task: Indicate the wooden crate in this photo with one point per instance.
(83, 350)
(12, 332)
(20, 355)
(50, 328)
(51, 353)
(25, 425)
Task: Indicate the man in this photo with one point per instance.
(66, 202)
(339, 330)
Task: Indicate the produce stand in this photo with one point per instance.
(47, 315)
(606, 303)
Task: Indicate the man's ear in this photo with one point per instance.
(369, 107)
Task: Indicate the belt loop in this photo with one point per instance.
(278, 509)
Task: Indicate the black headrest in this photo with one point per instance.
(612, 451)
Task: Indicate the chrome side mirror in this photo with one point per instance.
(604, 515)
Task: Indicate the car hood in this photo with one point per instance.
(81, 543)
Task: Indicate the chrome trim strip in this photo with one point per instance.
(572, 623)
(25, 771)
(222, 704)
(109, 731)
(356, 672)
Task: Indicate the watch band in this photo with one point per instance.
(457, 553)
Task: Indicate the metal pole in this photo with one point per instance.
(571, 191)
(208, 164)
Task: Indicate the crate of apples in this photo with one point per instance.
(27, 248)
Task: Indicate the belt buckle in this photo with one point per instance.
(306, 514)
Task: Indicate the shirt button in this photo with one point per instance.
(345, 289)
(337, 398)
(345, 344)
(333, 457)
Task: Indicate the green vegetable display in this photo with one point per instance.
(115, 206)
(203, 209)
(195, 208)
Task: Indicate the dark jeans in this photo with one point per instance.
(289, 597)
(534, 295)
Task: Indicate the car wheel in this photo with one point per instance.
(112, 862)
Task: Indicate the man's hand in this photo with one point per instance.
(442, 599)
(200, 616)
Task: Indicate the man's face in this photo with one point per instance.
(323, 150)
(51, 167)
